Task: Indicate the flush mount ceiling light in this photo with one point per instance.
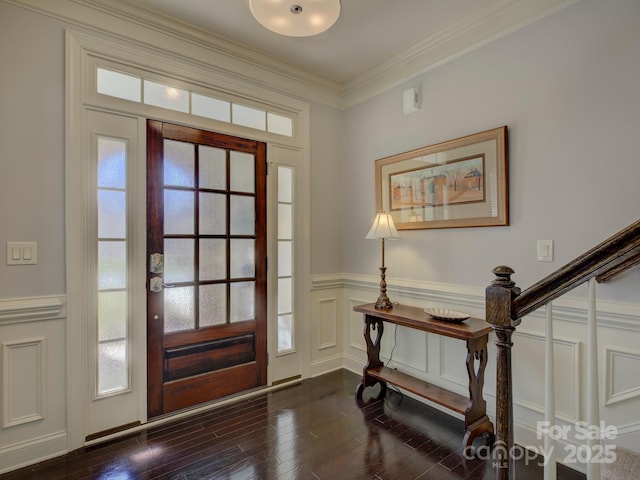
(296, 18)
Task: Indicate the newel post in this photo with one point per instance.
(499, 297)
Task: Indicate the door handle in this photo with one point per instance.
(156, 285)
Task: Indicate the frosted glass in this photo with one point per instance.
(179, 258)
(279, 124)
(179, 212)
(243, 253)
(210, 107)
(285, 332)
(112, 214)
(112, 265)
(166, 97)
(284, 296)
(112, 367)
(213, 259)
(112, 315)
(213, 305)
(179, 309)
(112, 158)
(179, 163)
(116, 84)
(213, 214)
(243, 216)
(212, 168)
(242, 301)
(284, 258)
(242, 172)
(285, 222)
(285, 184)
(249, 117)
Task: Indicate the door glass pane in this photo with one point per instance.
(111, 163)
(285, 184)
(119, 85)
(285, 221)
(284, 258)
(212, 168)
(179, 208)
(179, 163)
(242, 167)
(178, 309)
(285, 332)
(179, 258)
(112, 366)
(112, 265)
(243, 258)
(248, 116)
(112, 315)
(279, 124)
(112, 214)
(213, 214)
(213, 259)
(166, 97)
(242, 301)
(213, 305)
(284, 295)
(210, 107)
(243, 216)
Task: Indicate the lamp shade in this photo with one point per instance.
(383, 227)
(296, 18)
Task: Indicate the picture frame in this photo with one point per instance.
(458, 183)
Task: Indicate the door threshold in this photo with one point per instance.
(169, 417)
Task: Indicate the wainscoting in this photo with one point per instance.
(32, 380)
(33, 374)
(441, 361)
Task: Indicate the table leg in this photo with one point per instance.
(476, 421)
(373, 354)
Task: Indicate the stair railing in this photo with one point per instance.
(506, 305)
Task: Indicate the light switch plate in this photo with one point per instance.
(22, 253)
(545, 251)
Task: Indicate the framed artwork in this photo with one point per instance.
(458, 183)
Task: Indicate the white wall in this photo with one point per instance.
(566, 86)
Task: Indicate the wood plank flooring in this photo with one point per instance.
(313, 430)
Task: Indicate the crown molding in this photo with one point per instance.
(492, 20)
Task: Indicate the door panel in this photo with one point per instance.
(206, 197)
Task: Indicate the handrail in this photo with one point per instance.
(506, 305)
(611, 257)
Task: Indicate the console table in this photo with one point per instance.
(473, 331)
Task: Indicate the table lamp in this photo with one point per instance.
(383, 228)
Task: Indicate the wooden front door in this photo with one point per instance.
(206, 267)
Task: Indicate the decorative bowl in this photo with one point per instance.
(447, 315)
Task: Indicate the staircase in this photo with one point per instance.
(506, 305)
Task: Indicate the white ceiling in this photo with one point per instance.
(367, 33)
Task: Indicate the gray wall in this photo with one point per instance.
(31, 150)
(567, 88)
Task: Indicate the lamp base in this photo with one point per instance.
(383, 302)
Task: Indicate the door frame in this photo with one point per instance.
(83, 52)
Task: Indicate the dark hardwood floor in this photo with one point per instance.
(313, 430)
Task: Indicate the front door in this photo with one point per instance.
(206, 267)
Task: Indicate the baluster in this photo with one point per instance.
(593, 398)
(549, 397)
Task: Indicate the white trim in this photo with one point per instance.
(227, 59)
(32, 309)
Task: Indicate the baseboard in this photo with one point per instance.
(36, 450)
